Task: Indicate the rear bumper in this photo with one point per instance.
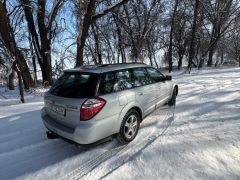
(85, 133)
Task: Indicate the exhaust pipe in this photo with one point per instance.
(51, 135)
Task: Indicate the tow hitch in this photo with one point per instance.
(51, 135)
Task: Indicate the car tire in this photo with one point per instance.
(129, 127)
(172, 101)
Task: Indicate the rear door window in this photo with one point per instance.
(107, 83)
(75, 85)
(115, 81)
(123, 81)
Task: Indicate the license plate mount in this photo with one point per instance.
(58, 109)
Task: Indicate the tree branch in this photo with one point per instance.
(106, 11)
(53, 13)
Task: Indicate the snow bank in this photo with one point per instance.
(12, 97)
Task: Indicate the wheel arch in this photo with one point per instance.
(139, 111)
(124, 111)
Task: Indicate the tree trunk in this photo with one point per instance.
(150, 58)
(42, 39)
(85, 25)
(34, 70)
(120, 42)
(155, 60)
(83, 32)
(11, 80)
(239, 60)
(33, 61)
(180, 62)
(120, 45)
(170, 62)
(8, 38)
(210, 57)
(97, 43)
(47, 70)
(193, 35)
(24, 70)
(150, 53)
(201, 62)
(217, 61)
(20, 82)
(222, 57)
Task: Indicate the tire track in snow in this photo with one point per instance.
(132, 155)
(92, 164)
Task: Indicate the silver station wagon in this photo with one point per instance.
(90, 103)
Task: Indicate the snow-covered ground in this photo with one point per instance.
(12, 97)
(202, 140)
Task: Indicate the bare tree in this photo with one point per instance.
(182, 31)
(193, 35)
(220, 16)
(43, 36)
(88, 18)
(172, 26)
(8, 39)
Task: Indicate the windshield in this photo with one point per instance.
(75, 85)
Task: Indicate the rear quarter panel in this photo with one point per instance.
(118, 104)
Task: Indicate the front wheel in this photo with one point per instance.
(129, 127)
(172, 101)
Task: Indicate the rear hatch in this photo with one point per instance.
(64, 99)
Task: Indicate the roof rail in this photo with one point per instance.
(103, 65)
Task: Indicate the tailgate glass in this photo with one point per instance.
(75, 85)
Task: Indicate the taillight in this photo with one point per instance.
(91, 107)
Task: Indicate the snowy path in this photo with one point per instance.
(202, 141)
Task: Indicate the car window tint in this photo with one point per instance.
(106, 84)
(115, 81)
(155, 75)
(123, 81)
(140, 77)
(75, 85)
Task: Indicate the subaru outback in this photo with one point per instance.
(90, 103)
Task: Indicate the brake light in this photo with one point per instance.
(91, 107)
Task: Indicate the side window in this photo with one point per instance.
(123, 81)
(115, 81)
(107, 82)
(140, 77)
(155, 75)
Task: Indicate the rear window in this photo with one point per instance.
(75, 85)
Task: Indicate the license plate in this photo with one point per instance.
(58, 109)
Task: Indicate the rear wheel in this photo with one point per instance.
(129, 127)
(172, 101)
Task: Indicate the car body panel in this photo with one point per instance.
(146, 97)
(71, 106)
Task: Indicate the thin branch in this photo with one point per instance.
(106, 11)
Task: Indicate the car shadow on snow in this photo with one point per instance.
(24, 147)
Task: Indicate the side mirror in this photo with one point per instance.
(168, 78)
